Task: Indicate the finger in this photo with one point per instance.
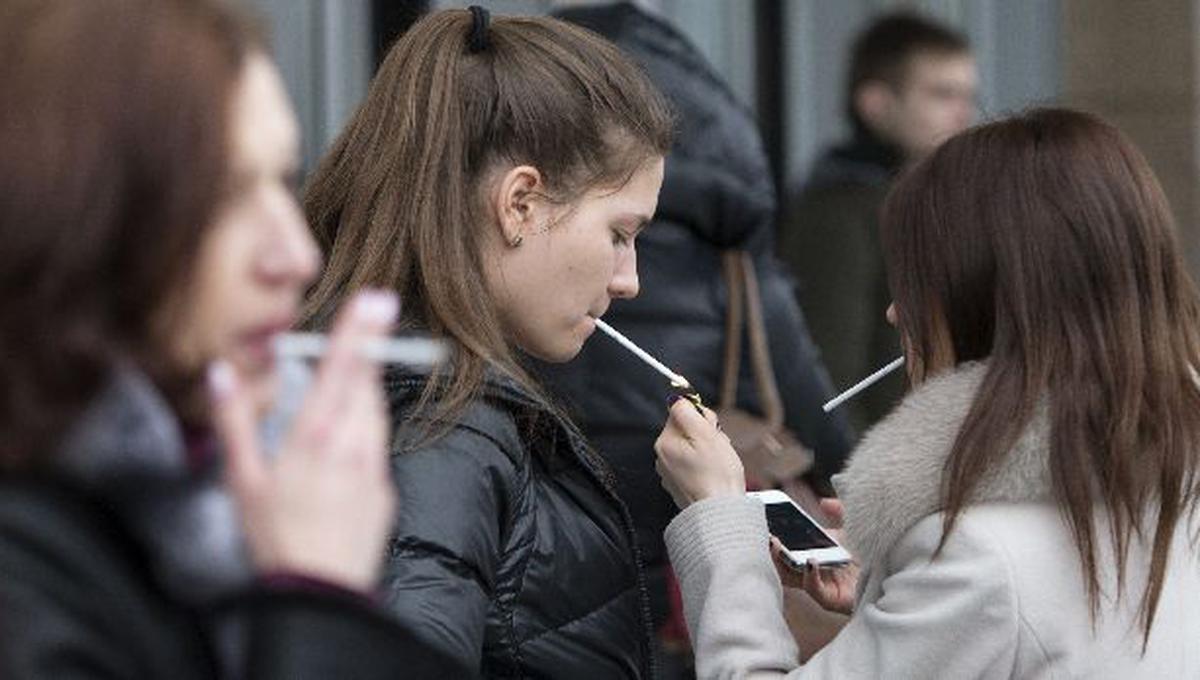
(777, 555)
(367, 316)
(817, 585)
(834, 511)
(234, 422)
(690, 423)
(378, 429)
(352, 428)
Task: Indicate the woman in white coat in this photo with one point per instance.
(1028, 510)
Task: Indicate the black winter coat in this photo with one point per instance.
(512, 552)
(88, 589)
(717, 194)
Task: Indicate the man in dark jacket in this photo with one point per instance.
(912, 84)
(717, 195)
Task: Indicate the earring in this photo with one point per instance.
(516, 242)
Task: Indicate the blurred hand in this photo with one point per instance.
(324, 506)
(695, 459)
(831, 587)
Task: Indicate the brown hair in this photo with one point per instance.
(398, 201)
(1045, 243)
(884, 50)
(113, 159)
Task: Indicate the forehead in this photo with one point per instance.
(923, 67)
(644, 183)
(264, 129)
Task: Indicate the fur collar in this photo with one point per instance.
(894, 476)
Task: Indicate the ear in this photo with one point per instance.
(517, 202)
(874, 100)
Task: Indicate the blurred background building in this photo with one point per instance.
(785, 58)
(1133, 62)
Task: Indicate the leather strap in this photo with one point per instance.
(745, 309)
(731, 268)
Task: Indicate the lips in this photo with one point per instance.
(256, 343)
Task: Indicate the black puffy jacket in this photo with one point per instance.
(111, 567)
(717, 194)
(512, 551)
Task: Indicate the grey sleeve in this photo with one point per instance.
(953, 617)
(732, 598)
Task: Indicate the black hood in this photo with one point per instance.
(718, 181)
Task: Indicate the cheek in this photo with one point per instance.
(224, 288)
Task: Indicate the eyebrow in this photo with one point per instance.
(639, 220)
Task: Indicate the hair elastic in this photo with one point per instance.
(478, 40)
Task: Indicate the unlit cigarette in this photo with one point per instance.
(676, 379)
(863, 384)
(410, 351)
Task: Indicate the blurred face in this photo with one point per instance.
(570, 263)
(935, 102)
(258, 257)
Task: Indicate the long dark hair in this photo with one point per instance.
(1045, 243)
(398, 201)
(113, 159)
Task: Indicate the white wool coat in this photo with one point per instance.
(1004, 599)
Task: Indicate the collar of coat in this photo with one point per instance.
(128, 451)
(894, 476)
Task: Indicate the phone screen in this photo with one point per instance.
(794, 529)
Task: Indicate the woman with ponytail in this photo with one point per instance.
(496, 177)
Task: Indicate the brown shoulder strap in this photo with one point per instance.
(731, 267)
(760, 351)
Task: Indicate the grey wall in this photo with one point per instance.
(323, 49)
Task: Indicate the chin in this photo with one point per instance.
(555, 355)
(558, 357)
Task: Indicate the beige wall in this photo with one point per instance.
(1134, 62)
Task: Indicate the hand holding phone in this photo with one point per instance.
(804, 539)
(829, 577)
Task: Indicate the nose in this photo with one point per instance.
(890, 315)
(289, 255)
(624, 282)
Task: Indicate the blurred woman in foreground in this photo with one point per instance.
(150, 239)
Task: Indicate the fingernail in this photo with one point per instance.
(672, 399)
(378, 306)
(221, 379)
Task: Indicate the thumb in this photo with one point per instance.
(689, 421)
(834, 510)
(234, 422)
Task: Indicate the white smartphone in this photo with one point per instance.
(804, 539)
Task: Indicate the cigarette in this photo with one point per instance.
(409, 351)
(863, 384)
(676, 380)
